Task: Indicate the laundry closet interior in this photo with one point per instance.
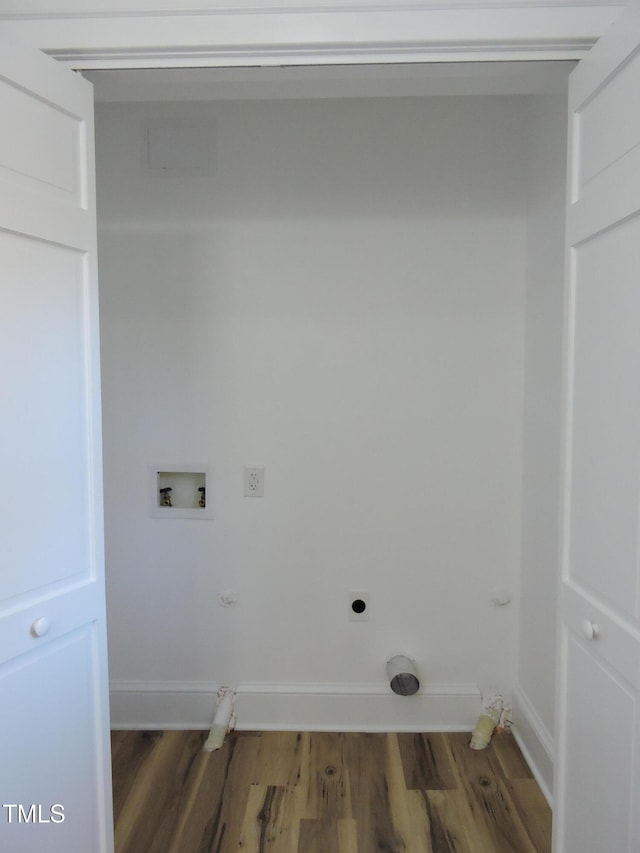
(350, 279)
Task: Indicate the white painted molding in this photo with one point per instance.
(149, 33)
(70, 8)
(162, 704)
(535, 741)
(295, 707)
(326, 81)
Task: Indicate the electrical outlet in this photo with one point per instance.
(358, 605)
(254, 482)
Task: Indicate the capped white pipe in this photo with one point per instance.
(221, 721)
(492, 708)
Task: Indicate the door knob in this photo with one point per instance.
(41, 626)
(590, 629)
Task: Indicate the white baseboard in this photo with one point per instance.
(295, 706)
(162, 704)
(534, 740)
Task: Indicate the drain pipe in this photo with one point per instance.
(489, 718)
(403, 675)
(222, 721)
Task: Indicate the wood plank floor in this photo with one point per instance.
(292, 792)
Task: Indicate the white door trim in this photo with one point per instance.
(149, 34)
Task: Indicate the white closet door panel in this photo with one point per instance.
(598, 147)
(616, 643)
(605, 451)
(54, 717)
(42, 333)
(612, 196)
(597, 779)
(601, 752)
(56, 766)
(49, 164)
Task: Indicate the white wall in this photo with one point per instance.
(342, 301)
(535, 694)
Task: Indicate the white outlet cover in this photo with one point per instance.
(254, 482)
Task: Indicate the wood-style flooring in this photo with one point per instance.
(303, 792)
